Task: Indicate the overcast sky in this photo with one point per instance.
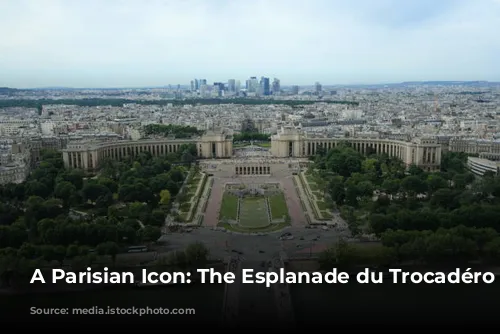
(124, 43)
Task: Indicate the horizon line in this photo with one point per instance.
(290, 85)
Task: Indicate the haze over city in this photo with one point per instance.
(156, 43)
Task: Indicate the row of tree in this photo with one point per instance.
(178, 131)
(248, 136)
(444, 247)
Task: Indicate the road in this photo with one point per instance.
(256, 302)
(253, 247)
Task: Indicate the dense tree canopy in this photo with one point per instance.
(60, 214)
(430, 212)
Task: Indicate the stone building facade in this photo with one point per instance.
(424, 153)
(287, 143)
(89, 155)
(489, 149)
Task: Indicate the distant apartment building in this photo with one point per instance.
(295, 90)
(475, 146)
(14, 162)
(13, 173)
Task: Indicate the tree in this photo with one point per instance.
(435, 182)
(366, 188)
(344, 254)
(64, 190)
(72, 251)
(112, 250)
(108, 248)
(197, 254)
(108, 183)
(391, 186)
(151, 233)
(351, 195)
(414, 170)
(60, 254)
(92, 191)
(413, 185)
(165, 197)
(137, 210)
(444, 198)
(492, 250)
(104, 201)
(157, 218)
(460, 181)
(36, 188)
(73, 176)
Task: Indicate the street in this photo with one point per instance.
(257, 247)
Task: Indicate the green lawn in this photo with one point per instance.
(311, 181)
(326, 215)
(253, 212)
(229, 207)
(278, 206)
(269, 228)
(322, 205)
(310, 178)
(265, 145)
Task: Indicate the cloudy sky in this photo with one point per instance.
(124, 43)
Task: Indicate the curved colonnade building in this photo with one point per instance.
(422, 152)
(89, 155)
(287, 143)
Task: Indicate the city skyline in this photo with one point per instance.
(135, 44)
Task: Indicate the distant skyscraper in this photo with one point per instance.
(276, 86)
(219, 88)
(295, 90)
(265, 88)
(196, 84)
(192, 86)
(252, 85)
(237, 86)
(203, 82)
(203, 90)
(231, 85)
(317, 88)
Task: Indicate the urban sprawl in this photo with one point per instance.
(99, 173)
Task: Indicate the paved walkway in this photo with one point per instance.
(214, 201)
(297, 215)
(305, 200)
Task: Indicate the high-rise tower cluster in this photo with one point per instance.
(252, 87)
